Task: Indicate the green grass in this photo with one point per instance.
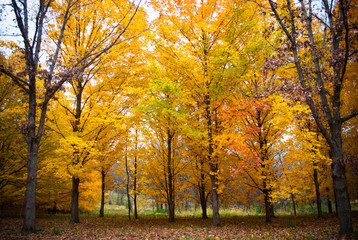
(196, 212)
(115, 210)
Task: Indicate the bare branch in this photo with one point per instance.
(18, 81)
(350, 116)
(283, 26)
(59, 42)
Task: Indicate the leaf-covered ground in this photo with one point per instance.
(118, 227)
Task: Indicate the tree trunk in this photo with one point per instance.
(76, 181)
(215, 195)
(272, 209)
(118, 202)
(293, 204)
(202, 195)
(171, 203)
(342, 197)
(334, 190)
(318, 194)
(135, 201)
(74, 202)
(101, 211)
(171, 211)
(316, 183)
(267, 206)
(127, 187)
(329, 203)
(213, 166)
(135, 177)
(29, 224)
(203, 201)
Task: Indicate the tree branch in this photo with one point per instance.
(350, 116)
(18, 81)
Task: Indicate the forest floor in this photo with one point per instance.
(119, 227)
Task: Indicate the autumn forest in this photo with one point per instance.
(179, 105)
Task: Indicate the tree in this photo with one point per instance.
(12, 143)
(87, 37)
(49, 78)
(201, 41)
(109, 147)
(254, 129)
(324, 75)
(304, 161)
(135, 175)
(165, 116)
(198, 171)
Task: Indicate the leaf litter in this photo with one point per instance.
(119, 227)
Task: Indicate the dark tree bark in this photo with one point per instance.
(202, 194)
(135, 189)
(213, 172)
(135, 176)
(103, 190)
(127, 187)
(33, 145)
(293, 205)
(215, 196)
(30, 194)
(212, 163)
(342, 197)
(329, 203)
(213, 166)
(74, 201)
(203, 204)
(78, 85)
(265, 168)
(267, 206)
(118, 202)
(315, 180)
(272, 208)
(170, 174)
(318, 194)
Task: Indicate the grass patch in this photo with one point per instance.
(56, 231)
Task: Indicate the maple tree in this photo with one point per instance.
(252, 120)
(132, 169)
(12, 143)
(131, 164)
(254, 129)
(108, 147)
(201, 41)
(164, 118)
(305, 161)
(50, 77)
(198, 172)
